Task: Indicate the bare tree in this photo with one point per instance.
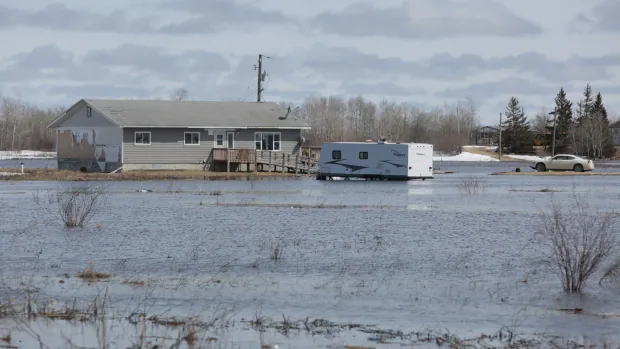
(24, 126)
(180, 94)
(579, 242)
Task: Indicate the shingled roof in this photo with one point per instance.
(195, 114)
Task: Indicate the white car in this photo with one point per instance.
(563, 162)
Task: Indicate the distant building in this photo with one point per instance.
(615, 133)
(485, 135)
(105, 135)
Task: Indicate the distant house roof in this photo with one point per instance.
(487, 128)
(615, 125)
(189, 114)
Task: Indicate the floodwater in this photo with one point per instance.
(405, 256)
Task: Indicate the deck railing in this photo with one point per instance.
(264, 160)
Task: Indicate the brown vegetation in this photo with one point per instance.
(579, 241)
(90, 274)
(61, 175)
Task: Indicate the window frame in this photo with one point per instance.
(360, 155)
(185, 138)
(89, 111)
(215, 135)
(334, 152)
(260, 140)
(135, 134)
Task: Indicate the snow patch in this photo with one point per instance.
(27, 155)
(465, 156)
(6, 174)
(531, 158)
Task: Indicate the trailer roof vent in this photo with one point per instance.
(381, 141)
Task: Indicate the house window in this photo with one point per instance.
(219, 140)
(89, 112)
(192, 138)
(267, 140)
(364, 155)
(336, 154)
(142, 138)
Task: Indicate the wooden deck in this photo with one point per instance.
(263, 160)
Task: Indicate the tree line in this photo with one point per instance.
(582, 130)
(24, 126)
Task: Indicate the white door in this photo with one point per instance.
(230, 140)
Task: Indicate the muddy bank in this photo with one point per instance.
(148, 175)
(61, 175)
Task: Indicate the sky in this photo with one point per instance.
(424, 52)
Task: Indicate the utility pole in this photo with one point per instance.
(555, 118)
(499, 149)
(260, 73)
(260, 77)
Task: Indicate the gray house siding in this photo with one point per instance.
(80, 118)
(88, 142)
(167, 148)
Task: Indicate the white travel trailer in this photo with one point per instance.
(380, 161)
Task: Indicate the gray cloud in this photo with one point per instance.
(427, 19)
(151, 60)
(138, 70)
(214, 15)
(381, 89)
(602, 18)
(207, 16)
(100, 91)
(510, 86)
(60, 17)
(349, 64)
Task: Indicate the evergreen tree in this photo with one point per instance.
(564, 110)
(599, 114)
(584, 108)
(516, 134)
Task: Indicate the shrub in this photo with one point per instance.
(579, 241)
(78, 204)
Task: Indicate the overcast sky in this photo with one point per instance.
(427, 52)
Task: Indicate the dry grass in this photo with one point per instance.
(90, 274)
(472, 185)
(544, 190)
(62, 175)
(134, 283)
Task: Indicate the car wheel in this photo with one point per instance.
(578, 168)
(540, 167)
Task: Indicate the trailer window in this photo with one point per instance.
(364, 155)
(336, 154)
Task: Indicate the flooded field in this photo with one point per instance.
(300, 263)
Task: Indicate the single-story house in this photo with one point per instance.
(105, 135)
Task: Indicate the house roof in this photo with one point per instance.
(615, 125)
(190, 114)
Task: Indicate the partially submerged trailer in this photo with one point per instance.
(375, 161)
